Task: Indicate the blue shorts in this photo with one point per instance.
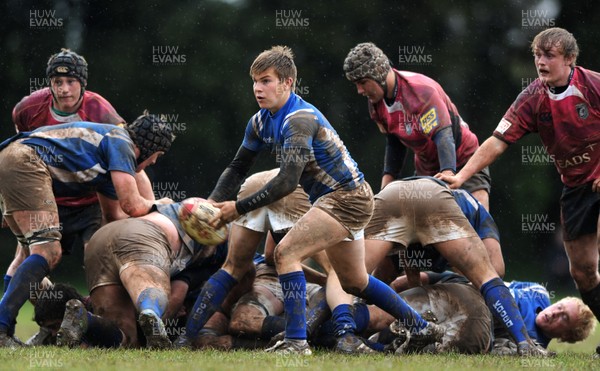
(78, 224)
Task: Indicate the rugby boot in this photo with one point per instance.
(154, 330)
(528, 348)
(74, 324)
(42, 337)
(9, 342)
(349, 343)
(290, 346)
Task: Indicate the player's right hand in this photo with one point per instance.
(454, 181)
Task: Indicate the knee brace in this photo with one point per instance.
(42, 236)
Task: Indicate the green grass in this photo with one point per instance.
(91, 359)
(570, 357)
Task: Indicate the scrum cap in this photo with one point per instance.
(366, 60)
(68, 63)
(150, 134)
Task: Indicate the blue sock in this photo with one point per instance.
(342, 320)
(30, 273)
(102, 333)
(387, 299)
(293, 285)
(154, 299)
(7, 279)
(503, 306)
(209, 301)
(361, 317)
(375, 346)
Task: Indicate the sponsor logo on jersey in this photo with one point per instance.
(582, 110)
(429, 121)
(503, 126)
(574, 161)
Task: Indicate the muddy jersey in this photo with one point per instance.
(478, 216)
(191, 253)
(420, 110)
(568, 124)
(35, 110)
(531, 299)
(329, 167)
(80, 156)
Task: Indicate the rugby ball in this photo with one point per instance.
(194, 215)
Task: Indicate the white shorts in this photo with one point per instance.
(278, 217)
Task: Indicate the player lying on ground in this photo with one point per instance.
(461, 310)
(258, 315)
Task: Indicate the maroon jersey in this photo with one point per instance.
(420, 110)
(568, 124)
(35, 110)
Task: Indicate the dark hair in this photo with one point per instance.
(50, 303)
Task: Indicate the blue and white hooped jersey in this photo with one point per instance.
(531, 298)
(80, 155)
(329, 167)
(478, 216)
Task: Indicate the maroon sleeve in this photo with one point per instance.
(520, 119)
(28, 108)
(97, 109)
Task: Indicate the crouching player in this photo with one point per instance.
(128, 264)
(424, 211)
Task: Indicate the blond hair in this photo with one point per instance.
(562, 39)
(585, 322)
(281, 58)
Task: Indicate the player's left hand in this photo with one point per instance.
(596, 185)
(228, 214)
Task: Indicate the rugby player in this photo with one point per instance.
(562, 106)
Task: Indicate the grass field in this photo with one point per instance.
(570, 357)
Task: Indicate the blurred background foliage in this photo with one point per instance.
(189, 60)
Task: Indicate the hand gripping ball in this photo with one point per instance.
(194, 215)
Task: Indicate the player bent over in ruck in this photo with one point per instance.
(128, 264)
(68, 160)
(424, 211)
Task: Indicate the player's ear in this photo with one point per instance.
(289, 82)
(569, 60)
